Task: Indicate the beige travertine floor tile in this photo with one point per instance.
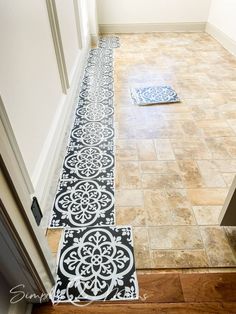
(153, 167)
(190, 128)
(135, 216)
(179, 258)
(210, 174)
(168, 207)
(169, 133)
(131, 198)
(231, 235)
(228, 111)
(226, 166)
(177, 198)
(190, 148)
(175, 238)
(53, 238)
(202, 197)
(190, 173)
(213, 124)
(146, 150)
(217, 247)
(170, 167)
(128, 175)
(200, 113)
(228, 178)
(157, 181)
(170, 216)
(126, 144)
(164, 150)
(141, 248)
(217, 148)
(127, 154)
(232, 122)
(178, 116)
(230, 144)
(207, 215)
(125, 131)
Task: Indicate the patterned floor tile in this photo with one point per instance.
(154, 95)
(96, 264)
(91, 133)
(109, 42)
(83, 203)
(88, 163)
(94, 111)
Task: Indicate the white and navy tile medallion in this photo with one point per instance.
(109, 42)
(91, 133)
(81, 203)
(93, 112)
(96, 264)
(151, 95)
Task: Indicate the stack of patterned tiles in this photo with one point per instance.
(95, 260)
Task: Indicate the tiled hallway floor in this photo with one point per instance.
(175, 163)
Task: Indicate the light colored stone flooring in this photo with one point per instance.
(175, 162)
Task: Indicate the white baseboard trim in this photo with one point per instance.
(220, 36)
(47, 162)
(152, 27)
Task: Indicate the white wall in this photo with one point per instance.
(67, 23)
(30, 83)
(223, 16)
(152, 11)
(93, 20)
(29, 80)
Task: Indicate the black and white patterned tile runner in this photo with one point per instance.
(96, 263)
(85, 195)
(95, 259)
(151, 95)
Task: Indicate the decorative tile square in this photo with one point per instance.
(94, 112)
(91, 133)
(83, 203)
(97, 95)
(109, 42)
(154, 95)
(105, 80)
(96, 264)
(88, 163)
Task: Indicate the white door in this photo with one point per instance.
(25, 257)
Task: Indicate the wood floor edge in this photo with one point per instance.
(165, 293)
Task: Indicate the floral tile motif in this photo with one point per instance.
(81, 203)
(91, 133)
(154, 95)
(96, 264)
(93, 112)
(109, 42)
(95, 95)
(88, 163)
